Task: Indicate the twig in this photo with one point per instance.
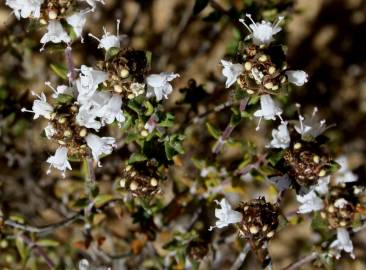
(228, 130)
(90, 179)
(44, 229)
(241, 257)
(305, 260)
(38, 250)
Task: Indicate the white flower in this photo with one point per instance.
(59, 160)
(93, 4)
(158, 85)
(25, 8)
(100, 146)
(55, 33)
(310, 127)
(112, 111)
(226, 215)
(88, 82)
(343, 242)
(281, 137)
(344, 174)
(40, 107)
(60, 90)
(86, 117)
(262, 33)
(108, 40)
(309, 202)
(322, 186)
(231, 72)
(49, 130)
(269, 109)
(297, 77)
(77, 21)
(150, 125)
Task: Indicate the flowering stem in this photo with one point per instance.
(90, 179)
(70, 64)
(241, 257)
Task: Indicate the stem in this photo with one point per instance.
(90, 181)
(305, 260)
(241, 257)
(70, 64)
(38, 250)
(44, 229)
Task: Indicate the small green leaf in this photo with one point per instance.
(48, 243)
(213, 131)
(64, 99)
(60, 70)
(136, 157)
(168, 121)
(102, 199)
(22, 249)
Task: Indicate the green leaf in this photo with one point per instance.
(213, 131)
(199, 6)
(169, 150)
(60, 70)
(102, 199)
(48, 243)
(136, 157)
(22, 249)
(64, 99)
(111, 53)
(168, 121)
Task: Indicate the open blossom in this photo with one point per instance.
(60, 90)
(108, 40)
(111, 110)
(262, 33)
(310, 126)
(343, 242)
(231, 72)
(49, 130)
(77, 21)
(158, 85)
(323, 185)
(344, 174)
(59, 160)
(269, 109)
(100, 145)
(309, 202)
(297, 77)
(40, 107)
(88, 82)
(226, 215)
(281, 137)
(25, 8)
(55, 33)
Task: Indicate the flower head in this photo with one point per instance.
(281, 137)
(100, 146)
(55, 33)
(309, 202)
(343, 242)
(297, 77)
(226, 215)
(231, 72)
(108, 40)
(25, 8)
(59, 160)
(40, 107)
(269, 109)
(158, 85)
(262, 33)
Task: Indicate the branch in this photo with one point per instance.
(44, 229)
(241, 257)
(70, 64)
(38, 251)
(305, 260)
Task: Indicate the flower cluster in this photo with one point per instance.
(55, 14)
